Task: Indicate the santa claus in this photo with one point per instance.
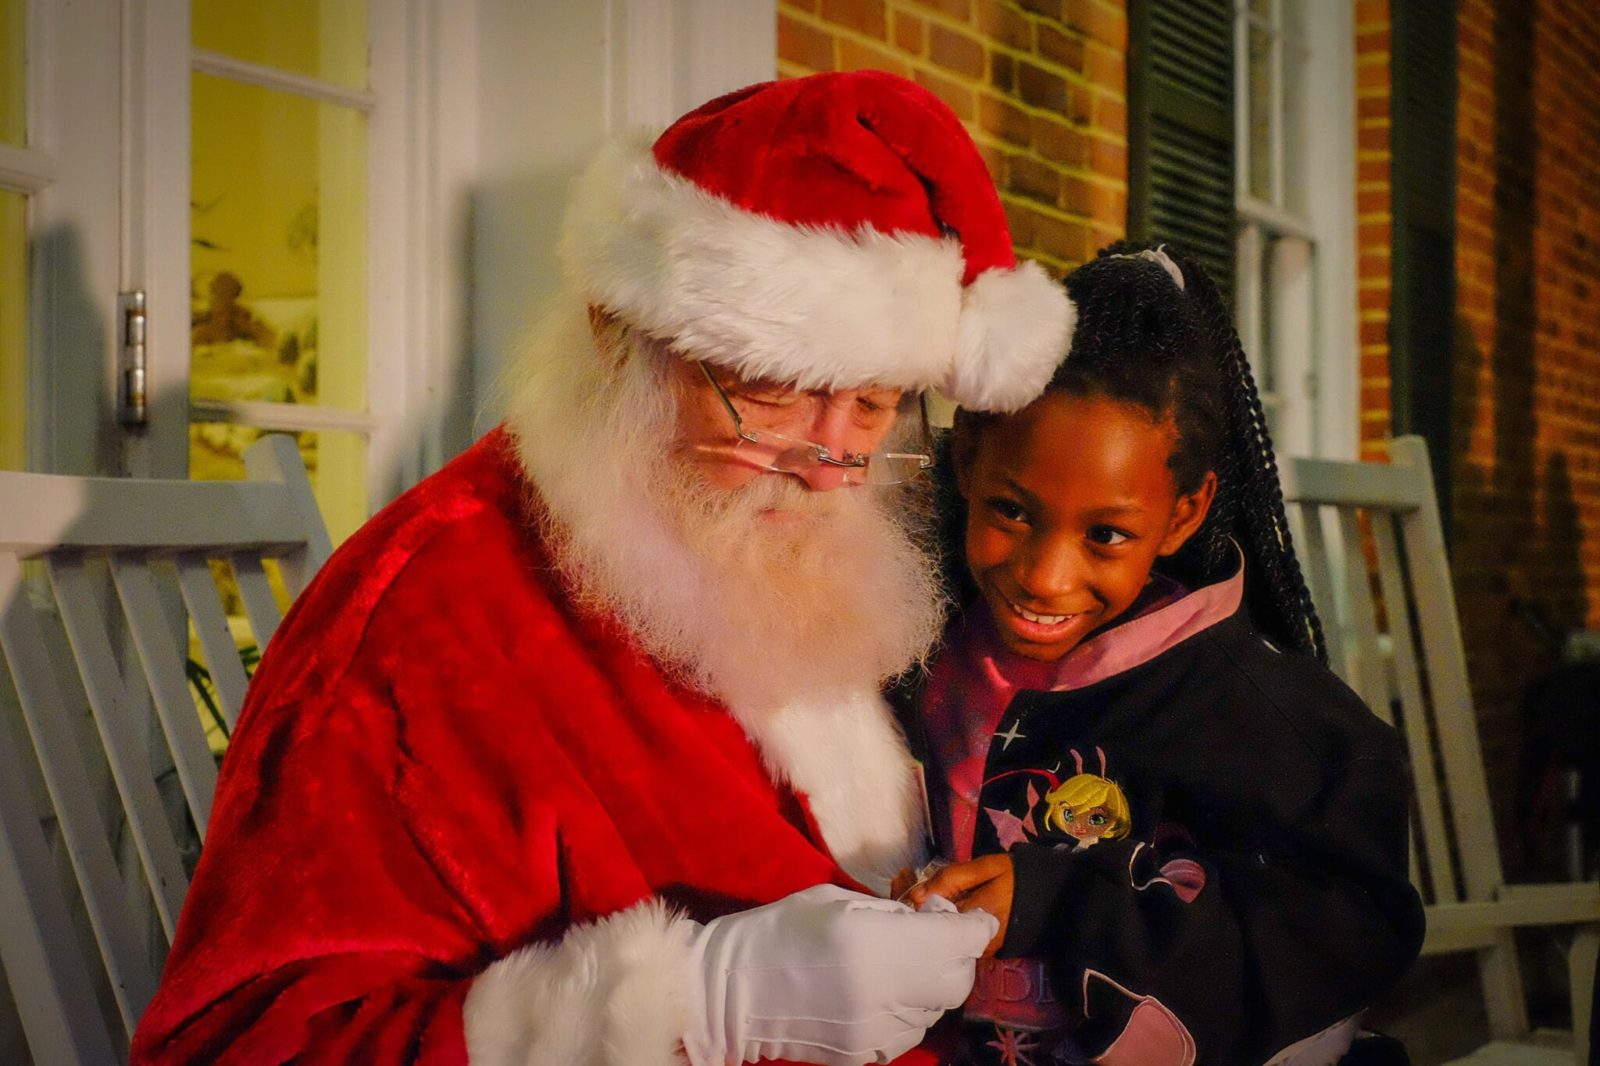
(575, 753)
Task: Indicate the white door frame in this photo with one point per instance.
(74, 217)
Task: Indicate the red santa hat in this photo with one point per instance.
(834, 231)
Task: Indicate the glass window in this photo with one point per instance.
(324, 39)
(278, 276)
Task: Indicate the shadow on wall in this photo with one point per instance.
(1517, 538)
(82, 437)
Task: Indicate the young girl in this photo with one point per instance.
(1193, 834)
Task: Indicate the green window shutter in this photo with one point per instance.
(1422, 136)
(1181, 129)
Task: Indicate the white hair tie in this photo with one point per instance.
(1160, 258)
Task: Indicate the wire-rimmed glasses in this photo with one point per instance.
(791, 455)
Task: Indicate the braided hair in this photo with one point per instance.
(1173, 351)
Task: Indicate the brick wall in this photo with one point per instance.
(1040, 85)
(1526, 368)
(1373, 220)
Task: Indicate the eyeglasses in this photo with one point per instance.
(790, 455)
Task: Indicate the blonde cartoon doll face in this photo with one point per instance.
(1087, 807)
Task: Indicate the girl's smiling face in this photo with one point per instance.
(1069, 504)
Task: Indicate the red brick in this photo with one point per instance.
(1110, 115)
(1002, 24)
(1070, 241)
(1060, 47)
(1058, 142)
(863, 16)
(1372, 170)
(1372, 201)
(1097, 20)
(1372, 76)
(1003, 73)
(1040, 88)
(805, 45)
(854, 56)
(1372, 107)
(1109, 159)
(1005, 120)
(1020, 221)
(910, 33)
(1033, 179)
(809, 6)
(1106, 68)
(1050, 9)
(1368, 11)
(961, 9)
(958, 96)
(955, 51)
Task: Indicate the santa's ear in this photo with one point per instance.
(1189, 514)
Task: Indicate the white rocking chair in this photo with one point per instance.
(147, 546)
(1417, 664)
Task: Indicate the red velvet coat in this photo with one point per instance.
(440, 763)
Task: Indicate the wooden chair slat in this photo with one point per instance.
(122, 736)
(1319, 576)
(1370, 670)
(66, 779)
(163, 662)
(216, 639)
(34, 926)
(256, 591)
(1414, 713)
(275, 458)
(106, 513)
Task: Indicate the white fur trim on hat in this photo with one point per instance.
(607, 994)
(1015, 328)
(814, 306)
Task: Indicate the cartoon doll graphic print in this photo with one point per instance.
(1086, 807)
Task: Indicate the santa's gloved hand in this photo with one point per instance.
(828, 976)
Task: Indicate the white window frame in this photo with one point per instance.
(1310, 330)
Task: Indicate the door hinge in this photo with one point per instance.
(132, 406)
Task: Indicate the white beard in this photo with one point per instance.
(751, 610)
(794, 625)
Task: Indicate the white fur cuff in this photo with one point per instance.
(607, 994)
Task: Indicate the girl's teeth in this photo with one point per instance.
(1041, 619)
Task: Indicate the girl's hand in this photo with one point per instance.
(983, 884)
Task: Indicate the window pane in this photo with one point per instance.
(324, 39)
(1262, 89)
(335, 459)
(1266, 358)
(13, 330)
(278, 238)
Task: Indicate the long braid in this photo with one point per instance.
(1280, 602)
(1141, 338)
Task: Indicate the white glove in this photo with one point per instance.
(829, 976)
